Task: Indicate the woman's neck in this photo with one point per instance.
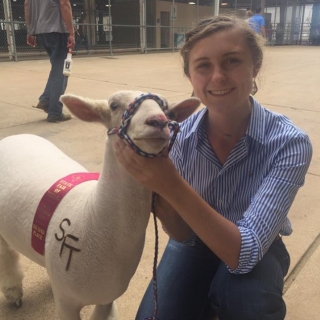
(228, 127)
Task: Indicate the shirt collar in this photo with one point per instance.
(256, 127)
(200, 116)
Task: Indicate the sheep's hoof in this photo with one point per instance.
(18, 303)
(14, 295)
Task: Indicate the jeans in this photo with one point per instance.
(190, 278)
(56, 46)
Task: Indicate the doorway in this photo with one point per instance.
(165, 29)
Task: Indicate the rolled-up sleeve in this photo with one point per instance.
(269, 207)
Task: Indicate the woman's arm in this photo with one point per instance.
(159, 174)
(172, 223)
(240, 246)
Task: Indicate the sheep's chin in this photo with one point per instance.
(151, 145)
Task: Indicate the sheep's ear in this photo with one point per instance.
(87, 109)
(179, 111)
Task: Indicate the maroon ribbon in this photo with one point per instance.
(50, 202)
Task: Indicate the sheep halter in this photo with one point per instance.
(129, 113)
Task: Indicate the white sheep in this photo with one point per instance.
(105, 219)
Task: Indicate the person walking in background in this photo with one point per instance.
(224, 192)
(82, 31)
(257, 23)
(248, 15)
(50, 24)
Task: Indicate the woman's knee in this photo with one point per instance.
(247, 304)
(255, 295)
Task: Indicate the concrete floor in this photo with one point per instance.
(288, 84)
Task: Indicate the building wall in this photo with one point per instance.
(186, 16)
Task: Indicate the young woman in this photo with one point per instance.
(225, 192)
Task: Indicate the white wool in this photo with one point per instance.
(108, 216)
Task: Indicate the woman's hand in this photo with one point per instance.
(154, 173)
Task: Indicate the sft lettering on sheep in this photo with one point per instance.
(63, 238)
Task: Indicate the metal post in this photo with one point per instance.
(293, 21)
(172, 23)
(143, 46)
(10, 30)
(262, 5)
(110, 28)
(286, 12)
(302, 23)
(216, 7)
(197, 11)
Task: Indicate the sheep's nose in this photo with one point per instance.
(158, 121)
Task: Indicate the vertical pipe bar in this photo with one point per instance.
(143, 46)
(302, 23)
(110, 27)
(197, 19)
(144, 25)
(216, 7)
(9, 25)
(172, 23)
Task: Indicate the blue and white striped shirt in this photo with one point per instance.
(256, 186)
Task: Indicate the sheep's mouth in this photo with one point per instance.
(153, 139)
(159, 135)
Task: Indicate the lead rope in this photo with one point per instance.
(155, 263)
(122, 133)
(156, 245)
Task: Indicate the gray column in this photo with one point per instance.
(90, 9)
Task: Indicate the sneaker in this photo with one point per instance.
(42, 105)
(63, 117)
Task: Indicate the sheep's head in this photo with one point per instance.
(148, 127)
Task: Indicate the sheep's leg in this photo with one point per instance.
(65, 308)
(105, 312)
(10, 274)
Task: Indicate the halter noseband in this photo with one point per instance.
(128, 114)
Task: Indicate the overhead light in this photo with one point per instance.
(224, 3)
(108, 5)
(191, 2)
(74, 5)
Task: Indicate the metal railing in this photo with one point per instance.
(112, 39)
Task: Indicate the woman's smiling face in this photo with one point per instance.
(221, 71)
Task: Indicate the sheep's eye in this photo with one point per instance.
(113, 106)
